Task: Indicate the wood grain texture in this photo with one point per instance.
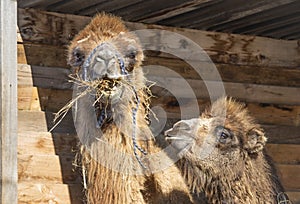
(267, 75)
(8, 102)
(46, 143)
(50, 168)
(58, 29)
(52, 100)
(289, 176)
(47, 77)
(284, 153)
(43, 121)
(45, 193)
(44, 77)
(55, 56)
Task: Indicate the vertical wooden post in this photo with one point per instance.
(8, 102)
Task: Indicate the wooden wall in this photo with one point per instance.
(262, 72)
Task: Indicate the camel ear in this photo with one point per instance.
(255, 141)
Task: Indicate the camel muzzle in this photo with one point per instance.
(104, 61)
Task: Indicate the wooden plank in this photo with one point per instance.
(284, 153)
(273, 24)
(281, 76)
(49, 28)
(108, 6)
(241, 12)
(24, 98)
(8, 102)
(289, 176)
(45, 193)
(222, 48)
(32, 121)
(49, 168)
(71, 7)
(39, 55)
(281, 134)
(42, 55)
(174, 11)
(45, 143)
(256, 18)
(28, 98)
(43, 121)
(284, 115)
(294, 196)
(43, 77)
(275, 114)
(245, 92)
(41, 4)
(54, 169)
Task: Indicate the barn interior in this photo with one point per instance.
(254, 46)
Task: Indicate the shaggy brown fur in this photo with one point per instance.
(223, 158)
(107, 153)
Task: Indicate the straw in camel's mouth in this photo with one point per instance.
(107, 89)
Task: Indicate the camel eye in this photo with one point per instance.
(78, 57)
(131, 55)
(223, 135)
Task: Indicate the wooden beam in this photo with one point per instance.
(41, 4)
(8, 101)
(277, 8)
(38, 27)
(289, 176)
(284, 153)
(55, 56)
(174, 11)
(247, 11)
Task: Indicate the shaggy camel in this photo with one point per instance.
(223, 157)
(110, 116)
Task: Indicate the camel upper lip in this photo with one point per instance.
(170, 135)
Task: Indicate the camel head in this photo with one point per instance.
(107, 56)
(105, 51)
(222, 135)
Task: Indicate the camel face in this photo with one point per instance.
(221, 138)
(106, 52)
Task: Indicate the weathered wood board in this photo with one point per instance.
(45, 193)
(58, 29)
(8, 102)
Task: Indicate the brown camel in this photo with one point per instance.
(110, 114)
(223, 158)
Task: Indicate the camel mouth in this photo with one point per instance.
(179, 141)
(108, 88)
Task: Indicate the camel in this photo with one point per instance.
(223, 157)
(111, 119)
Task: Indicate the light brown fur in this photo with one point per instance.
(231, 168)
(104, 184)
